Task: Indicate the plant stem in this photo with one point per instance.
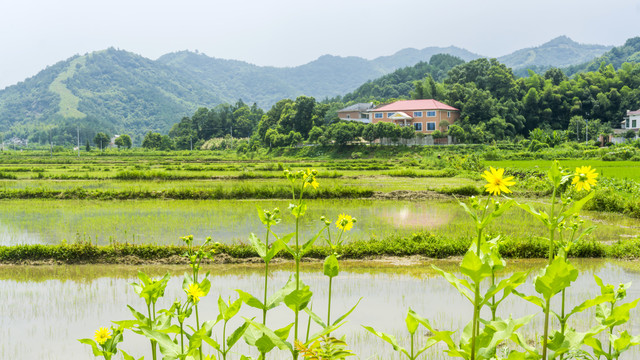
(329, 304)
(153, 342)
(198, 328)
(412, 335)
(476, 309)
(181, 339)
(224, 341)
(552, 231)
(493, 300)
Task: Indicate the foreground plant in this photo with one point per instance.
(105, 343)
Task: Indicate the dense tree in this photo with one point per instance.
(123, 141)
(152, 141)
(102, 140)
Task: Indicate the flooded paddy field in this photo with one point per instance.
(45, 309)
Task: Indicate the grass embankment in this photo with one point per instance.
(422, 244)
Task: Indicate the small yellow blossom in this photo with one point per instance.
(496, 182)
(310, 179)
(585, 178)
(344, 222)
(102, 335)
(194, 292)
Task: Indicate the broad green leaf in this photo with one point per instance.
(473, 267)
(250, 300)
(556, 276)
(205, 286)
(274, 250)
(577, 206)
(412, 323)
(508, 285)
(94, 346)
(532, 299)
(299, 210)
(554, 174)
(259, 246)
(236, 335)
(307, 246)
(620, 314)
(471, 213)
(589, 303)
(129, 357)
(461, 285)
(275, 299)
(232, 310)
(298, 299)
(331, 266)
(167, 346)
(315, 317)
(273, 337)
(222, 307)
(388, 338)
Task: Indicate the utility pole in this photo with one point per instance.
(191, 141)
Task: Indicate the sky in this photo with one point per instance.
(38, 33)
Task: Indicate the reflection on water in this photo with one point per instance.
(165, 221)
(54, 306)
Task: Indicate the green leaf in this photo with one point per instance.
(473, 267)
(331, 266)
(315, 317)
(307, 246)
(129, 357)
(620, 314)
(344, 316)
(554, 174)
(388, 338)
(298, 299)
(275, 248)
(232, 310)
(556, 276)
(222, 307)
(250, 300)
(94, 346)
(412, 323)
(272, 336)
(589, 303)
(259, 246)
(237, 334)
(167, 346)
(275, 299)
(508, 285)
(577, 206)
(461, 285)
(299, 210)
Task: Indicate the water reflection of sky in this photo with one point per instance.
(41, 307)
(164, 222)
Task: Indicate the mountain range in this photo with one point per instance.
(124, 92)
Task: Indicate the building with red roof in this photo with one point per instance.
(425, 115)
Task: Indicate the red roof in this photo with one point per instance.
(411, 105)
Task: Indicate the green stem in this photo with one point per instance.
(493, 300)
(181, 340)
(552, 231)
(329, 304)
(563, 321)
(224, 341)
(153, 342)
(412, 335)
(476, 309)
(198, 328)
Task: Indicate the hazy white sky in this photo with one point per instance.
(37, 33)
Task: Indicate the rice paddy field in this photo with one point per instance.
(156, 198)
(70, 302)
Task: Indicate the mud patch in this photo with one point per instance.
(409, 195)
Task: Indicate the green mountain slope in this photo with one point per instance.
(560, 52)
(629, 52)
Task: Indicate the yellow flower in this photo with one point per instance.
(310, 178)
(194, 292)
(585, 178)
(496, 181)
(344, 222)
(102, 335)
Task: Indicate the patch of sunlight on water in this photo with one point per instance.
(54, 306)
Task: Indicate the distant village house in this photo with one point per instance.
(356, 112)
(425, 116)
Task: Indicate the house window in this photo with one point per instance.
(390, 115)
(378, 115)
(633, 124)
(417, 114)
(348, 116)
(448, 114)
(364, 116)
(417, 126)
(431, 114)
(431, 126)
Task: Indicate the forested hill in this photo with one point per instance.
(120, 92)
(629, 52)
(560, 52)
